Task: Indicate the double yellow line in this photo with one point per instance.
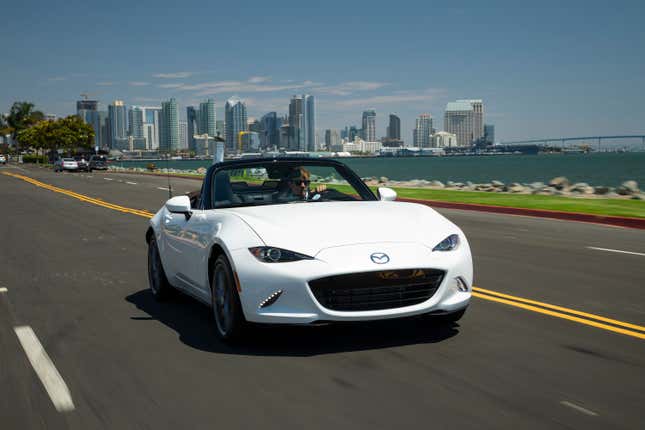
(585, 318)
(81, 197)
(562, 312)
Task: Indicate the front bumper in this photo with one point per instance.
(297, 304)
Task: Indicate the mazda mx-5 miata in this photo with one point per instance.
(303, 241)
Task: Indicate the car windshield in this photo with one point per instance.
(258, 184)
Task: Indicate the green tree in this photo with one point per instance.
(21, 116)
(68, 133)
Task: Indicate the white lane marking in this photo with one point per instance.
(45, 369)
(3, 290)
(162, 188)
(131, 183)
(578, 408)
(108, 179)
(617, 250)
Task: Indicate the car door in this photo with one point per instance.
(187, 242)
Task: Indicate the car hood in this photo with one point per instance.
(311, 227)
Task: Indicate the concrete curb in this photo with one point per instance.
(629, 222)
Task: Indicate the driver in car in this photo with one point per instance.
(297, 185)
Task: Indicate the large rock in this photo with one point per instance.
(201, 170)
(601, 190)
(437, 184)
(559, 183)
(537, 185)
(516, 188)
(581, 188)
(383, 179)
(497, 184)
(631, 187)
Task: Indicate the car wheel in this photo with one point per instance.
(159, 285)
(227, 310)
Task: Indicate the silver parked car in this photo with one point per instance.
(63, 164)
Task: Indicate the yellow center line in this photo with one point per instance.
(560, 308)
(560, 315)
(519, 302)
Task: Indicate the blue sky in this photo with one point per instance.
(548, 69)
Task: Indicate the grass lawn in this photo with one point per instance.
(615, 207)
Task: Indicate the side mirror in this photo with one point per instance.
(386, 194)
(179, 205)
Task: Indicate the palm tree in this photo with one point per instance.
(21, 116)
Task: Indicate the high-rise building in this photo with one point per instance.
(135, 122)
(310, 122)
(332, 139)
(220, 128)
(248, 141)
(443, 139)
(302, 123)
(151, 126)
(353, 133)
(394, 127)
(87, 110)
(465, 118)
(270, 135)
(104, 130)
(489, 134)
(118, 125)
(369, 125)
(183, 134)
(192, 122)
(235, 117)
(423, 131)
(207, 118)
(169, 126)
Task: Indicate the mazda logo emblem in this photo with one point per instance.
(379, 258)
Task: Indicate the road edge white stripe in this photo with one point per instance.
(45, 369)
(578, 408)
(3, 290)
(616, 250)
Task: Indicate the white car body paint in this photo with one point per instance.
(340, 236)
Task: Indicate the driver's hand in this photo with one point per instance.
(320, 188)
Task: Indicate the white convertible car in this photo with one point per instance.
(302, 241)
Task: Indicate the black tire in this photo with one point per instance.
(230, 323)
(157, 280)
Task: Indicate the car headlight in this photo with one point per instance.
(448, 244)
(270, 254)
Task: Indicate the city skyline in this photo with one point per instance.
(546, 80)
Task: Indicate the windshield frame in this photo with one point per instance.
(352, 178)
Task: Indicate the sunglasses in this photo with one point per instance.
(301, 181)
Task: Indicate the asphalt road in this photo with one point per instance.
(75, 273)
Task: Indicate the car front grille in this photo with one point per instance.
(369, 291)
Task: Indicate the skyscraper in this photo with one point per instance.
(369, 125)
(332, 139)
(465, 118)
(423, 131)
(135, 122)
(394, 128)
(151, 127)
(87, 110)
(207, 119)
(270, 136)
(489, 134)
(169, 126)
(183, 134)
(310, 122)
(302, 123)
(235, 121)
(118, 125)
(192, 123)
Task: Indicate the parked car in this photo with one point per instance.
(98, 162)
(3, 159)
(268, 241)
(83, 164)
(63, 164)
